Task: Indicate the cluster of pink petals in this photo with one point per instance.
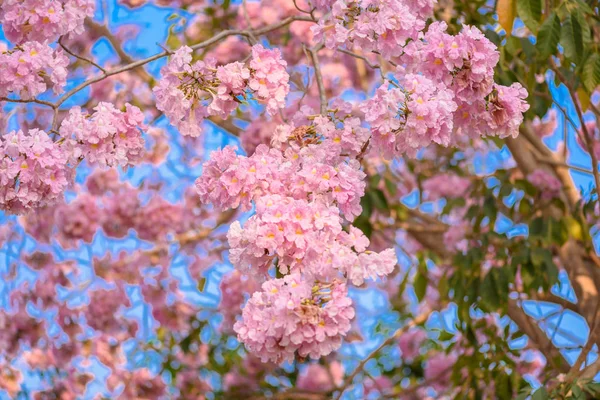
(269, 79)
(105, 305)
(305, 237)
(229, 180)
(420, 114)
(464, 62)
(79, 220)
(157, 218)
(22, 70)
(34, 171)
(108, 137)
(43, 20)
(410, 343)
(234, 287)
(445, 186)
(383, 26)
(188, 92)
(289, 317)
(546, 182)
(424, 112)
(318, 378)
(505, 110)
(339, 132)
(300, 189)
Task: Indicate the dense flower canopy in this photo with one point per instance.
(298, 199)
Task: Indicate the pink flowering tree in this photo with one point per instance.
(299, 199)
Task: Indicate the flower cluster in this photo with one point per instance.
(229, 180)
(419, 114)
(290, 315)
(22, 71)
(34, 170)
(234, 287)
(300, 190)
(43, 20)
(339, 132)
(444, 93)
(546, 182)
(108, 137)
(383, 26)
(269, 79)
(445, 185)
(464, 62)
(79, 220)
(189, 92)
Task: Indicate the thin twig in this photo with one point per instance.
(218, 37)
(36, 101)
(319, 77)
(87, 60)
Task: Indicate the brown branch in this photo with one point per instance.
(218, 37)
(87, 60)
(537, 336)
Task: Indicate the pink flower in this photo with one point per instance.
(269, 79)
(287, 317)
(34, 171)
(445, 186)
(410, 343)
(317, 378)
(43, 20)
(78, 220)
(506, 108)
(546, 182)
(22, 71)
(189, 92)
(108, 137)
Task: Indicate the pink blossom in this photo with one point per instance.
(78, 220)
(269, 79)
(410, 343)
(108, 137)
(318, 378)
(22, 70)
(546, 126)
(43, 20)
(33, 172)
(506, 108)
(286, 318)
(546, 182)
(446, 186)
(438, 369)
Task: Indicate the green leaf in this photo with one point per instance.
(591, 72)
(548, 37)
(445, 336)
(592, 388)
(420, 285)
(362, 222)
(530, 12)
(201, 284)
(572, 36)
(540, 394)
(379, 200)
(367, 206)
(489, 292)
(577, 392)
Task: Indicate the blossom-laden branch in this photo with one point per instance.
(327, 191)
